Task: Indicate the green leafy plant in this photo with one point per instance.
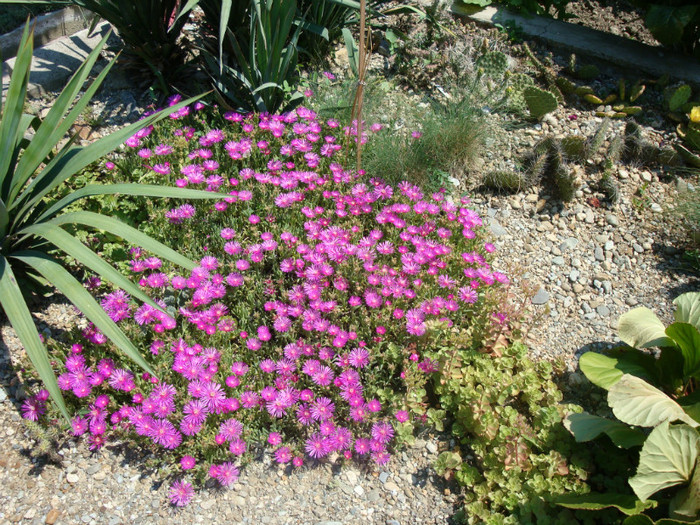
(646, 391)
(674, 23)
(31, 217)
(150, 30)
(537, 7)
(256, 65)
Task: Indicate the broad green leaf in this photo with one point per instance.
(687, 338)
(80, 297)
(640, 328)
(667, 22)
(667, 458)
(686, 502)
(638, 519)
(636, 402)
(586, 427)
(604, 371)
(117, 227)
(626, 503)
(21, 320)
(688, 308)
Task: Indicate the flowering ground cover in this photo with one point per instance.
(303, 327)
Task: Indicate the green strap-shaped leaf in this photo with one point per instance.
(687, 338)
(73, 247)
(12, 109)
(636, 402)
(132, 235)
(137, 190)
(688, 308)
(586, 427)
(625, 503)
(77, 158)
(54, 126)
(640, 328)
(21, 320)
(4, 219)
(80, 297)
(668, 458)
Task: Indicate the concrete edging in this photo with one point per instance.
(49, 27)
(590, 42)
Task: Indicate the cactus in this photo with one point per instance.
(676, 97)
(692, 135)
(598, 138)
(504, 181)
(575, 147)
(517, 84)
(535, 167)
(539, 101)
(609, 188)
(550, 77)
(494, 64)
(565, 183)
(588, 72)
(688, 156)
(614, 151)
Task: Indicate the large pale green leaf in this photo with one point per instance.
(640, 328)
(80, 297)
(604, 371)
(686, 502)
(117, 227)
(586, 427)
(625, 503)
(667, 458)
(636, 402)
(687, 338)
(20, 318)
(688, 308)
(667, 22)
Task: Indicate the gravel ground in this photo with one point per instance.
(584, 266)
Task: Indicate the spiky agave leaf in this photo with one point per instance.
(30, 222)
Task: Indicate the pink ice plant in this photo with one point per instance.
(307, 271)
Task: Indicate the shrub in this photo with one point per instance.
(315, 285)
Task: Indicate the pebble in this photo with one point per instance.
(541, 297)
(612, 220)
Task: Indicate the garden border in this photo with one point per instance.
(50, 26)
(590, 42)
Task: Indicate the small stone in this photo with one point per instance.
(646, 176)
(558, 260)
(541, 297)
(623, 173)
(612, 220)
(540, 205)
(3, 394)
(358, 490)
(392, 522)
(352, 477)
(574, 275)
(207, 504)
(609, 245)
(383, 477)
(578, 288)
(431, 446)
(568, 244)
(51, 517)
(496, 228)
(598, 254)
(637, 248)
(390, 486)
(603, 310)
(656, 208)
(72, 478)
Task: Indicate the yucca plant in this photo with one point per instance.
(32, 166)
(256, 66)
(150, 30)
